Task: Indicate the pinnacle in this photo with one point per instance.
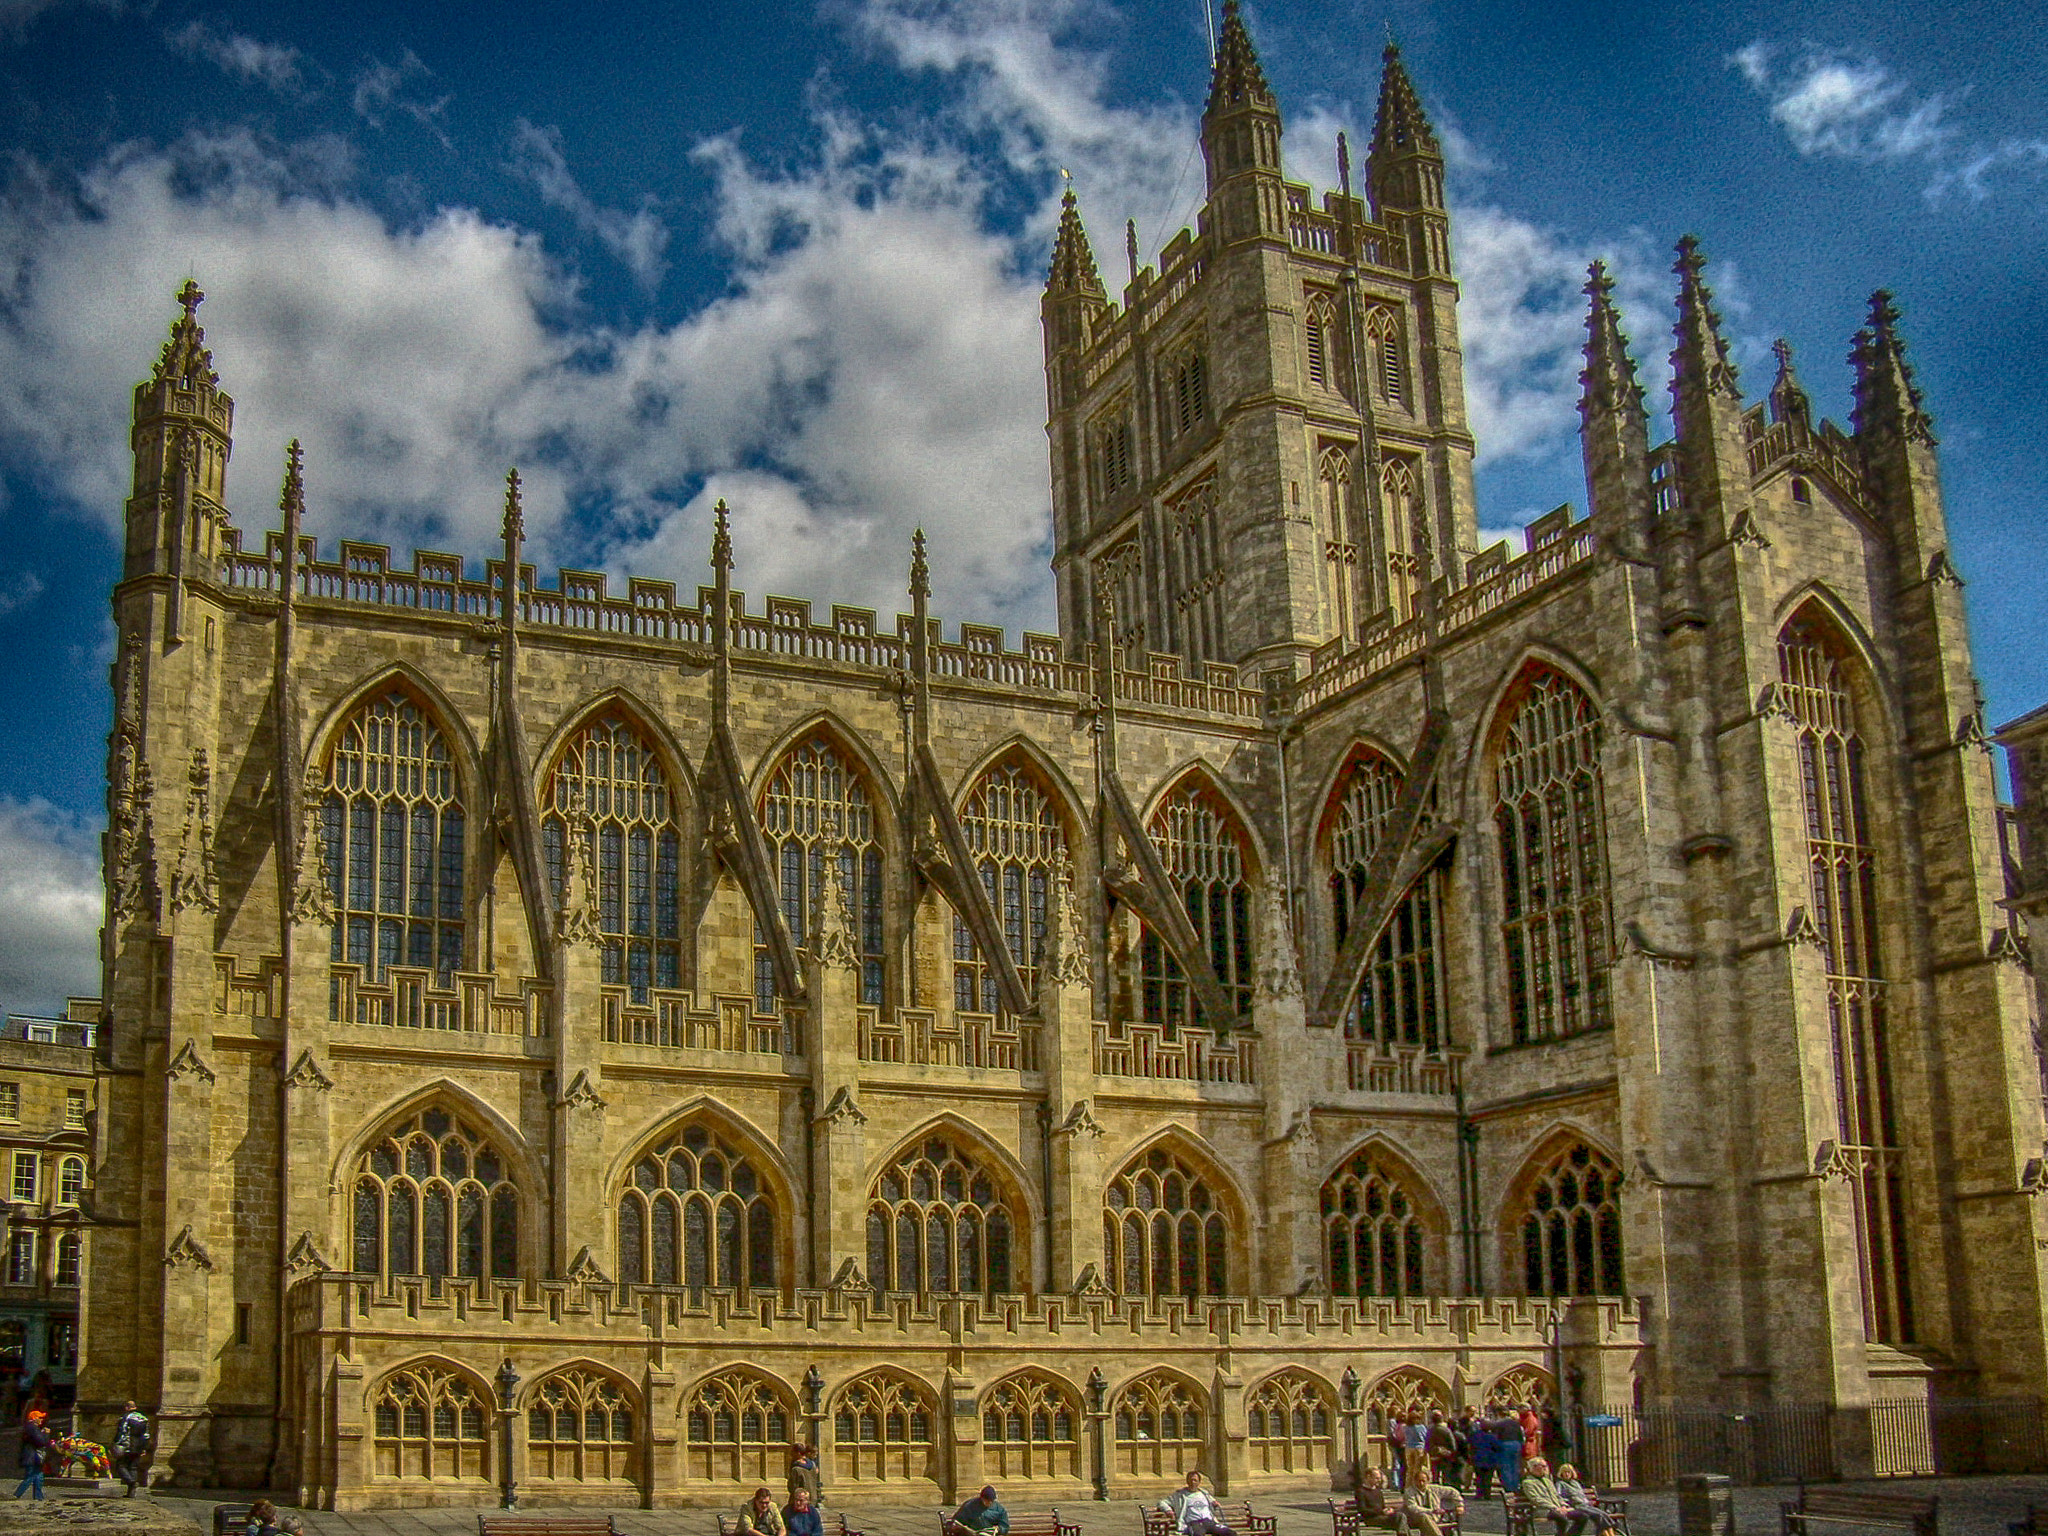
(1701, 359)
(1073, 262)
(1238, 81)
(1885, 390)
(920, 569)
(721, 536)
(1401, 127)
(1788, 397)
(292, 500)
(515, 517)
(185, 362)
(1609, 380)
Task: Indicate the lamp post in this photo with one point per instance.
(1098, 1395)
(508, 1383)
(1347, 1404)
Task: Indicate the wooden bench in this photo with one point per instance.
(833, 1522)
(1522, 1515)
(1028, 1523)
(502, 1524)
(1916, 1512)
(1238, 1515)
(1345, 1521)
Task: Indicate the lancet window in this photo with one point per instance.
(609, 786)
(1163, 1232)
(1383, 343)
(736, 1429)
(430, 1423)
(1193, 558)
(1400, 997)
(1031, 1427)
(817, 804)
(882, 1426)
(1372, 1232)
(939, 1220)
(1203, 848)
(1158, 1428)
(1014, 835)
(1289, 1419)
(1554, 893)
(1120, 581)
(695, 1211)
(392, 830)
(579, 1428)
(1113, 459)
(1398, 507)
(1571, 1226)
(1320, 336)
(1842, 863)
(1402, 1391)
(1339, 538)
(1184, 392)
(434, 1197)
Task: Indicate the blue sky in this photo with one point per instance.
(657, 253)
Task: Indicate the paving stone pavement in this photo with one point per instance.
(1972, 1506)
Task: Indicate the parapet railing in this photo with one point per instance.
(419, 999)
(676, 1019)
(923, 1037)
(1175, 1054)
(1376, 1066)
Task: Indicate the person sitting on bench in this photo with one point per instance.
(1426, 1507)
(1579, 1501)
(799, 1519)
(1377, 1508)
(980, 1514)
(760, 1516)
(1542, 1496)
(1194, 1511)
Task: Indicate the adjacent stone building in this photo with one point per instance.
(596, 1038)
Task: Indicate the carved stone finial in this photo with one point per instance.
(576, 917)
(1701, 361)
(1080, 1121)
(196, 882)
(291, 501)
(583, 1269)
(721, 536)
(843, 1109)
(849, 1278)
(1089, 1282)
(832, 934)
(305, 1258)
(313, 887)
(132, 841)
(1279, 976)
(920, 567)
(189, 1063)
(515, 516)
(1067, 960)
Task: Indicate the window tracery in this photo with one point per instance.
(1404, 1390)
(392, 830)
(579, 1428)
(1289, 1419)
(736, 1429)
(1383, 342)
(816, 803)
(883, 1428)
(1548, 812)
(1013, 832)
(1320, 335)
(1843, 875)
(696, 1211)
(1184, 393)
(1399, 503)
(1158, 1430)
(434, 1197)
(429, 1423)
(1372, 1232)
(1163, 1232)
(1400, 997)
(1339, 519)
(1571, 1226)
(939, 1220)
(1030, 1427)
(610, 774)
(1193, 558)
(1203, 848)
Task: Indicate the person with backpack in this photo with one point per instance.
(35, 1440)
(131, 1444)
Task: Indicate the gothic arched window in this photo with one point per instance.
(736, 1429)
(1399, 505)
(579, 1428)
(429, 1423)
(1400, 999)
(1404, 1390)
(1203, 848)
(939, 1220)
(1339, 540)
(1184, 392)
(434, 1197)
(1320, 335)
(1571, 1226)
(610, 779)
(1372, 1232)
(1383, 343)
(1014, 834)
(882, 1427)
(1163, 1232)
(1157, 1428)
(1290, 1417)
(1813, 668)
(392, 830)
(1031, 1427)
(1548, 813)
(816, 803)
(695, 1211)
(1193, 559)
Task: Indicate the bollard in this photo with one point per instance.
(1706, 1505)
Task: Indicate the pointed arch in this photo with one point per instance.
(949, 1211)
(1560, 1221)
(371, 1126)
(319, 743)
(1548, 809)
(1320, 351)
(1523, 1384)
(1870, 679)
(1160, 1423)
(1384, 1229)
(1383, 345)
(700, 1204)
(1059, 784)
(853, 745)
(820, 792)
(428, 1193)
(582, 1425)
(737, 1423)
(1031, 1423)
(1400, 1392)
(885, 1427)
(1291, 1423)
(676, 764)
(1211, 857)
(664, 1123)
(1018, 834)
(1175, 1222)
(1200, 772)
(430, 1421)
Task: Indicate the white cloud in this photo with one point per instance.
(381, 89)
(637, 239)
(275, 65)
(20, 592)
(50, 906)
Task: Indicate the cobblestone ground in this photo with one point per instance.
(1976, 1506)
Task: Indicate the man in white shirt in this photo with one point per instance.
(1194, 1511)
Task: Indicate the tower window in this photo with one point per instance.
(1383, 343)
(1184, 391)
(1320, 337)
(1801, 491)
(1113, 448)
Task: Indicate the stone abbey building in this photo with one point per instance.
(595, 1038)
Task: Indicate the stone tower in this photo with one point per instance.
(1283, 399)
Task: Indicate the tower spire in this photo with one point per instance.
(1887, 399)
(1237, 79)
(1608, 383)
(185, 362)
(1700, 364)
(1789, 400)
(1401, 127)
(1073, 261)
(1241, 140)
(1404, 172)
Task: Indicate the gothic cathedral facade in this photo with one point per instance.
(598, 1039)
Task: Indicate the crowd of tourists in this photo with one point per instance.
(1433, 1459)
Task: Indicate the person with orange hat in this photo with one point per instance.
(35, 1440)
